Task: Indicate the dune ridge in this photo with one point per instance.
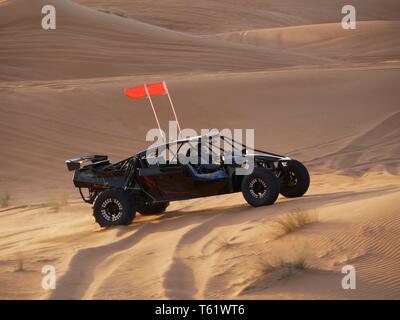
(378, 147)
(91, 44)
(210, 17)
(371, 41)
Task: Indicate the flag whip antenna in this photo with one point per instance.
(154, 111)
(173, 108)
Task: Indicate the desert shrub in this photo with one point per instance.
(113, 10)
(287, 265)
(64, 198)
(295, 220)
(4, 199)
(19, 262)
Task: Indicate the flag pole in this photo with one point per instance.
(154, 111)
(172, 106)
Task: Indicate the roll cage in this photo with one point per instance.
(195, 143)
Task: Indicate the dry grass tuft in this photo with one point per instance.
(113, 10)
(19, 262)
(289, 266)
(295, 220)
(4, 199)
(273, 269)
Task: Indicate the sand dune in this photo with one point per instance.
(209, 17)
(88, 43)
(377, 148)
(311, 90)
(372, 40)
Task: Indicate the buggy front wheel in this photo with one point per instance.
(295, 180)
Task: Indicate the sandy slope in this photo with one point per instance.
(209, 17)
(371, 41)
(329, 99)
(88, 43)
(212, 249)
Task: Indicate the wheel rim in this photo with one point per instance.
(258, 188)
(292, 179)
(111, 209)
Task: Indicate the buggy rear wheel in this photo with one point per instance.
(114, 207)
(261, 187)
(156, 208)
(295, 180)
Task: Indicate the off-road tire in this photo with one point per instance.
(261, 187)
(114, 207)
(157, 208)
(296, 185)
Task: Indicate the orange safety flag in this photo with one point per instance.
(156, 89)
(153, 89)
(136, 93)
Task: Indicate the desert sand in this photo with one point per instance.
(323, 95)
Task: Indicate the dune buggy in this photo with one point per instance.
(147, 182)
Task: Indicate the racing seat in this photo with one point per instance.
(212, 176)
(209, 167)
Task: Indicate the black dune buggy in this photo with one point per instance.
(144, 183)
